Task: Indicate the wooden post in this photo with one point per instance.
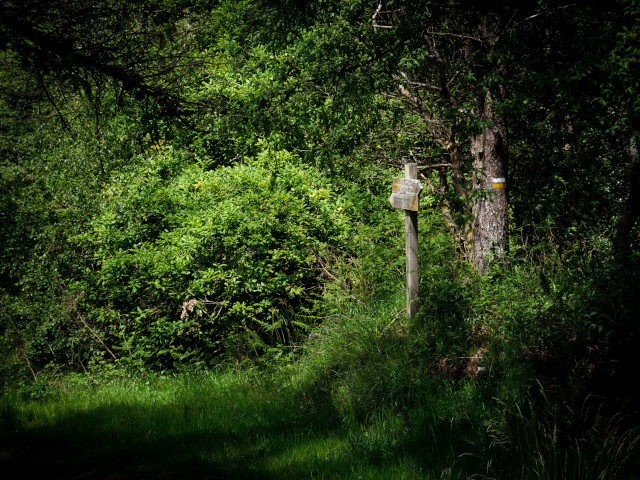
(405, 195)
(411, 247)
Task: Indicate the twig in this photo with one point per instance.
(531, 17)
(24, 348)
(413, 83)
(437, 165)
(394, 319)
(72, 304)
(64, 123)
(456, 35)
(375, 14)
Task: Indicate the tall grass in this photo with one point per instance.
(549, 440)
(458, 393)
(374, 411)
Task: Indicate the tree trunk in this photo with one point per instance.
(631, 211)
(490, 227)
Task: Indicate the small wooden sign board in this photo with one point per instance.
(405, 194)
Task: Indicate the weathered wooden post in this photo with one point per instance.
(406, 196)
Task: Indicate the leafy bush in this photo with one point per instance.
(191, 262)
(50, 184)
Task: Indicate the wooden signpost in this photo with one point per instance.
(405, 195)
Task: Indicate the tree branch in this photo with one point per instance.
(65, 125)
(542, 14)
(456, 35)
(72, 304)
(413, 83)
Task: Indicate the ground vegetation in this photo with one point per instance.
(195, 235)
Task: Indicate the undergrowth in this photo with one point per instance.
(511, 375)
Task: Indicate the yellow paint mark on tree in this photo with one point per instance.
(499, 183)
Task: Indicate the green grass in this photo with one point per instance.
(372, 396)
(352, 418)
(227, 424)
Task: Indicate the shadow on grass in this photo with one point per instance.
(295, 436)
(450, 432)
(117, 441)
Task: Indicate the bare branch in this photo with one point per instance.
(456, 35)
(437, 165)
(375, 14)
(531, 17)
(72, 303)
(413, 83)
(411, 98)
(452, 79)
(22, 347)
(444, 90)
(63, 121)
(373, 19)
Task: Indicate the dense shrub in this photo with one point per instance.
(191, 262)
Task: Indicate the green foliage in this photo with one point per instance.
(221, 197)
(191, 262)
(50, 181)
